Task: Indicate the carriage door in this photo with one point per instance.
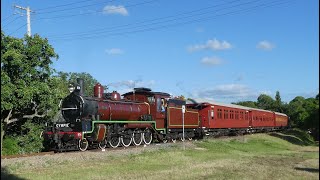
(210, 116)
(250, 118)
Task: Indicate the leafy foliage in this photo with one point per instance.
(30, 140)
(26, 87)
(265, 102)
(247, 104)
(27, 141)
(28, 90)
(278, 104)
(10, 146)
(89, 81)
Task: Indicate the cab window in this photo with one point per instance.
(159, 104)
(151, 100)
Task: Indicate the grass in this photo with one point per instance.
(257, 156)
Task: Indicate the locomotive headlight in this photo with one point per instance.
(79, 135)
(71, 88)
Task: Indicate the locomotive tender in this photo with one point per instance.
(142, 116)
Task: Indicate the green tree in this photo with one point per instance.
(27, 89)
(251, 104)
(278, 105)
(300, 109)
(311, 105)
(89, 81)
(265, 102)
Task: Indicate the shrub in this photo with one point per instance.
(10, 146)
(30, 141)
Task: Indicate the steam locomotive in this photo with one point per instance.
(143, 116)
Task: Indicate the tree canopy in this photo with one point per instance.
(28, 90)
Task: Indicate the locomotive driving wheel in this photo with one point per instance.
(137, 138)
(126, 140)
(103, 144)
(147, 137)
(83, 144)
(114, 141)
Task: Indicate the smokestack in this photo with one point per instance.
(81, 84)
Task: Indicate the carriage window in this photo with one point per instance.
(237, 115)
(231, 114)
(219, 114)
(225, 114)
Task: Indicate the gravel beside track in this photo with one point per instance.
(41, 160)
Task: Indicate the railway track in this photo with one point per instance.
(90, 150)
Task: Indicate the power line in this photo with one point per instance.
(94, 12)
(17, 29)
(4, 19)
(62, 5)
(67, 9)
(152, 20)
(11, 21)
(273, 3)
(173, 18)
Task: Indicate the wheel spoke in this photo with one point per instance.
(147, 137)
(83, 144)
(137, 138)
(126, 140)
(114, 141)
(102, 144)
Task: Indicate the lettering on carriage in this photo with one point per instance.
(62, 125)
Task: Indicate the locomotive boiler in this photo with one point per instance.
(109, 106)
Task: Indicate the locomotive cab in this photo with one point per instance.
(156, 100)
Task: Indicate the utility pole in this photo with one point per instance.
(183, 111)
(28, 17)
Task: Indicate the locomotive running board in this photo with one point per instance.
(123, 122)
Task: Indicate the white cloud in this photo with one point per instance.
(200, 30)
(128, 85)
(214, 45)
(265, 45)
(114, 51)
(132, 84)
(109, 9)
(227, 93)
(211, 61)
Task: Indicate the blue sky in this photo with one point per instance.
(223, 50)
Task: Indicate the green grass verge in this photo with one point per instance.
(258, 156)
